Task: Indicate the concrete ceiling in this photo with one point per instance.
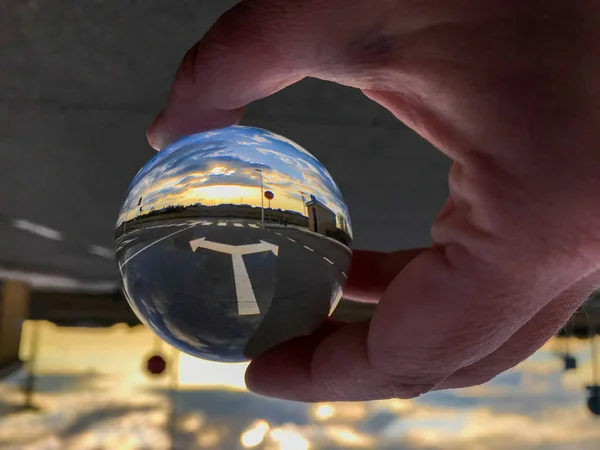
(81, 81)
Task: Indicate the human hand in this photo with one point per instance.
(510, 91)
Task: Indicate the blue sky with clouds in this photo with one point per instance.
(227, 160)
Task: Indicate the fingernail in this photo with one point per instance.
(161, 133)
(151, 133)
(182, 119)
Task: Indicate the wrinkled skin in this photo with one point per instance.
(510, 90)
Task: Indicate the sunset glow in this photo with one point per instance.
(227, 167)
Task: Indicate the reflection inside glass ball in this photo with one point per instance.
(232, 241)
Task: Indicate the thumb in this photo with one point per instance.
(372, 272)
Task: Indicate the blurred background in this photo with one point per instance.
(80, 83)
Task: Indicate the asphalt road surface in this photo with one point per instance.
(229, 289)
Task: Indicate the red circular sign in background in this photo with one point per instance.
(156, 365)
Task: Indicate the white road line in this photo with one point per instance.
(308, 248)
(247, 304)
(205, 223)
(64, 284)
(155, 242)
(328, 260)
(35, 228)
(222, 224)
(127, 241)
(278, 233)
(101, 251)
(291, 240)
(253, 225)
(344, 275)
(239, 225)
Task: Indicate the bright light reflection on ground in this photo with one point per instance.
(91, 393)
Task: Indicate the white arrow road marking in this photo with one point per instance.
(234, 249)
(247, 304)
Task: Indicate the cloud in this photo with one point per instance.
(171, 183)
(230, 157)
(252, 143)
(200, 167)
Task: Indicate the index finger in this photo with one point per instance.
(253, 51)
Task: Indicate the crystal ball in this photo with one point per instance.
(232, 241)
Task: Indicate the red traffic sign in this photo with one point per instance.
(156, 365)
(269, 195)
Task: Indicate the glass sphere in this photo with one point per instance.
(232, 241)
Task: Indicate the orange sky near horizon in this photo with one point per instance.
(226, 194)
(237, 194)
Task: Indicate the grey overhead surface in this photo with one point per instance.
(81, 81)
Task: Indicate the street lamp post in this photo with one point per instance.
(29, 385)
(304, 207)
(174, 390)
(262, 198)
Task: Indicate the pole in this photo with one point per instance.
(29, 386)
(174, 387)
(595, 379)
(262, 198)
(270, 212)
(304, 207)
(594, 351)
(157, 344)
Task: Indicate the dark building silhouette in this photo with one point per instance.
(14, 309)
